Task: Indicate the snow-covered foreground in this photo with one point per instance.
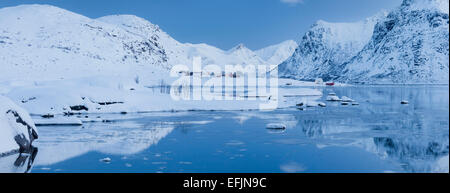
(17, 130)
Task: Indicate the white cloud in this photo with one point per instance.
(292, 2)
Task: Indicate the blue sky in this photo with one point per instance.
(226, 23)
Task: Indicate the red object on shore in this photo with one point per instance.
(330, 83)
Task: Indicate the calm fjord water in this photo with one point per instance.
(379, 135)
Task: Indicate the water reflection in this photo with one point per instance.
(414, 137)
(18, 163)
(115, 138)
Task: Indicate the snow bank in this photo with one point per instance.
(17, 130)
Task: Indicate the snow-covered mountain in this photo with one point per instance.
(45, 42)
(325, 46)
(39, 42)
(411, 45)
(277, 54)
(182, 53)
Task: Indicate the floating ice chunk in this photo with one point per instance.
(106, 160)
(322, 104)
(333, 98)
(355, 103)
(346, 99)
(344, 103)
(404, 102)
(277, 126)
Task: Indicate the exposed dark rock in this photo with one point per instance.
(79, 108)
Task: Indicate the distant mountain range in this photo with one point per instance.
(410, 44)
(39, 42)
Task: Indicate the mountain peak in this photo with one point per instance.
(240, 48)
(278, 53)
(128, 21)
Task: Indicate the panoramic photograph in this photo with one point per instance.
(224, 86)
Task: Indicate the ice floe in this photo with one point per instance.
(346, 99)
(333, 98)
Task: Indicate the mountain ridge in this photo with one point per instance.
(39, 42)
(409, 44)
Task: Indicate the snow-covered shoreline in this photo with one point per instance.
(123, 95)
(17, 129)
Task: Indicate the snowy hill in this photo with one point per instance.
(325, 46)
(39, 42)
(277, 54)
(410, 46)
